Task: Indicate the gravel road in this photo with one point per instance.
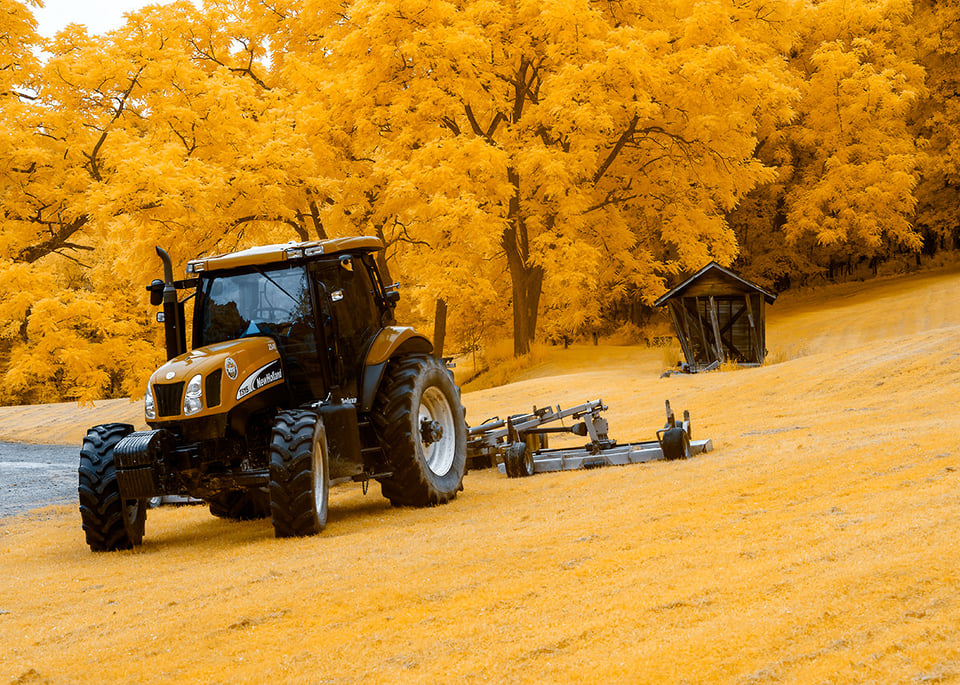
(34, 476)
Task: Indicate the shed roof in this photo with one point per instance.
(716, 273)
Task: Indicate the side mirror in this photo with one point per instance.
(392, 297)
(156, 292)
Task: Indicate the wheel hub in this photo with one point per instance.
(430, 431)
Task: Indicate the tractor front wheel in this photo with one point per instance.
(110, 521)
(299, 480)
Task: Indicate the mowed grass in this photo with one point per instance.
(817, 543)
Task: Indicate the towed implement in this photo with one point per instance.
(519, 443)
(297, 378)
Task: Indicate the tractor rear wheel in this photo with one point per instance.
(299, 480)
(420, 423)
(240, 505)
(110, 522)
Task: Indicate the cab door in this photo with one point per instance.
(354, 317)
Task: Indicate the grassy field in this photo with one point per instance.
(817, 543)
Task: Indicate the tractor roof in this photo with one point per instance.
(282, 252)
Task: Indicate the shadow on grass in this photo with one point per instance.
(197, 527)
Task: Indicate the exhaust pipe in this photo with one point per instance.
(174, 320)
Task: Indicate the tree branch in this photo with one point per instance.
(617, 147)
(301, 231)
(59, 240)
(448, 122)
(121, 107)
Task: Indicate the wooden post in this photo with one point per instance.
(754, 336)
(439, 327)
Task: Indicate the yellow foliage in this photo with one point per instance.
(530, 163)
(858, 177)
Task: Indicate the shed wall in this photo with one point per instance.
(719, 327)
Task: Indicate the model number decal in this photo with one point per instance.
(265, 375)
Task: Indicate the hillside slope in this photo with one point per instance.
(817, 543)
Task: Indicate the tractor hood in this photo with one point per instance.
(212, 379)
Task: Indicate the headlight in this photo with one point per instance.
(149, 408)
(192, 397)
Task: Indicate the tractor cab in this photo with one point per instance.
(322, 314)
(317, 309)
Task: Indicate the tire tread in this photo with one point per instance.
(101, 506)
(291, 474)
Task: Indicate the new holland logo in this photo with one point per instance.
(262, 377)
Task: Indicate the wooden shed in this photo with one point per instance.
(719, 317)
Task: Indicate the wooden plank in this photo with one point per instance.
(693, 327)
(733, 319)
(734, 328)
(713, 283)
(727, 332)
(701, 329)
(716, 328)
(683, 333)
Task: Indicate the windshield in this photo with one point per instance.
(261, 302)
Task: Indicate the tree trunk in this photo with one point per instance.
(315, 217)
(527, 280)
(527, 283)
(381, 257)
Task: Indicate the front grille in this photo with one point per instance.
(213, 388)
(169, 398)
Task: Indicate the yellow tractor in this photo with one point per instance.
(297, 379)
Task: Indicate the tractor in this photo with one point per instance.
(297, 379)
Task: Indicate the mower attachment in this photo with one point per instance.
(518, 444)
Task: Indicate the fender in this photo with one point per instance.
(388, 343)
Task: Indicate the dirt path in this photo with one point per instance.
(33, 476)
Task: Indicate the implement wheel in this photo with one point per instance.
(675, 444)
(110, 521)
(518, 460)
(299, 480)
(419, 421)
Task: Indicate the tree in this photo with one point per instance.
(534, 164)
(856, 160)
(164, 132)
(849, 163)
(936, 30)
(580, 145)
